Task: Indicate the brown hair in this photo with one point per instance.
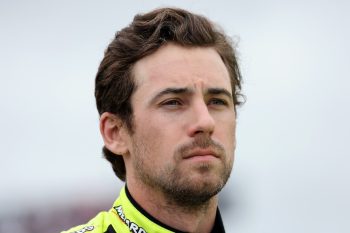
(114, 83)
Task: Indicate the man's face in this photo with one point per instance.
(184, 124)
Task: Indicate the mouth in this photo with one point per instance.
(202, 153)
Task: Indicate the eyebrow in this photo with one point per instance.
(219, 91)
(172, 90)
(185, 90)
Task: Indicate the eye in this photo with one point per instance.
(172, 103)
(216, 101)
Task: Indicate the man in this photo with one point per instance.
(167, 91)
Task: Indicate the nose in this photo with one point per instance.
(201, 120)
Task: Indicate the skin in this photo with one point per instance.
(184, 135)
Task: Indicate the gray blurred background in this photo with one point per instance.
(291, 171)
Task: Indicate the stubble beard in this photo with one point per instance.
(175, 184)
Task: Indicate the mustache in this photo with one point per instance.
(202, 142)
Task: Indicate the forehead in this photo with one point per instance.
(177, 66)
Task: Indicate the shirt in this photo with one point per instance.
(127, 216)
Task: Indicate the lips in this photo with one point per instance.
(201, 153)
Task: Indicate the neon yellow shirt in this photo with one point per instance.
(127, 216)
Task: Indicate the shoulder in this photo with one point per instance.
(99, 224)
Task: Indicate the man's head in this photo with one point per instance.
(122, 76)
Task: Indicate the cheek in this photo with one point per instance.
(228, 135)
(162, 126)
(150, 137)
(230, 144)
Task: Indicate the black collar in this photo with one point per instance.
(218, 225)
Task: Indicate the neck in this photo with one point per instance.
(199, 218)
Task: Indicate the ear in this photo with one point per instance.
(114, 133)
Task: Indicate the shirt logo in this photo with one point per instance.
(85, 229)
(133, 227)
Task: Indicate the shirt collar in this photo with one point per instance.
(130, 212)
